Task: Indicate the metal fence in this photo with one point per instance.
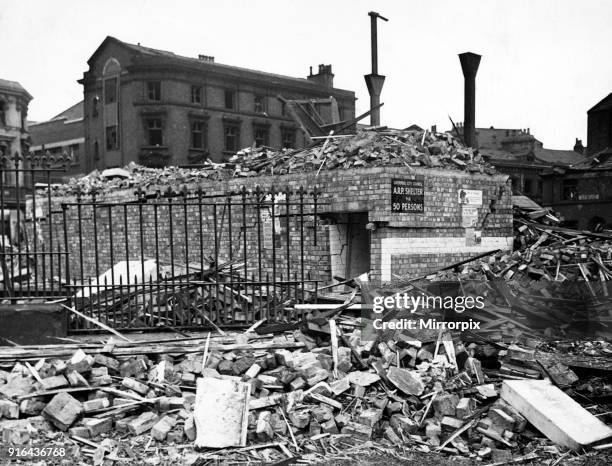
(176, 258)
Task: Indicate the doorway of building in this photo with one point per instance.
(349, 243)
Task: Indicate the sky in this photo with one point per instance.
(544, 62)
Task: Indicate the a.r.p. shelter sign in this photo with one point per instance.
(408, 194)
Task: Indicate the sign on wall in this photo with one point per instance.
(469, 216)
(407, 195)
(470, 196)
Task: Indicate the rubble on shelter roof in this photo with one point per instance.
(367, 148)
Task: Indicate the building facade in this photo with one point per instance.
(63, 138)
(157, 108)
(599, 126)
(14, 136)
(519, 154)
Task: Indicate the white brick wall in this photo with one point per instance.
(406, 246)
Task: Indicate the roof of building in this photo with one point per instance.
(14, 86)
(559, 157)
(204, 65)
(72, 113)
(600, 160)
(603, 104)
(538, 157)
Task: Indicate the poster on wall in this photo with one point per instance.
(407, 195)
(469, 196)
(469, 216)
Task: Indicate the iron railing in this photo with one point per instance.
(157, 258)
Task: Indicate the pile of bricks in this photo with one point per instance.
(310, 400)
(366, 148)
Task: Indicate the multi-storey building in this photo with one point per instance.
(599, 126)
(14, 137)
(63, 138)
(158, 108)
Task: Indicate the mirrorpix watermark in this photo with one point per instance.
(389, 312)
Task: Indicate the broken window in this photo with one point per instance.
(3, 113)
(154, 90)
(230, 99)
(288, 138)
(570, 190)
(94, 105)
(75, 155)
(261, 136)
(196, 94)
(231, 134)
(112, 138)
(198, 135)
(110, 90)
(154, 132)
(260, 102)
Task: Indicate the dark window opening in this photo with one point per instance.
(154, 132)
(260, 106)
(112, 138)
(283, 109)
(75, 155)
(230, 99)
(96, 151)
(528, 185)
(154, 90)
(110, 90)
(231, 135)
(570, 190)
(196, 94)
(198, 134)
(261, 136)
(94, 104)
(288, 138)
(3, 112)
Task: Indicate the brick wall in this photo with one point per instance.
(401, 244)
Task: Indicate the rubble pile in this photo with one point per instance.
(366, 148)
(555, 280)
(294, 396)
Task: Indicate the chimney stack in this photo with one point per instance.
(469, 66)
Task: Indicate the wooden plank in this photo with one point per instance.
(221, 412)
(554, 413)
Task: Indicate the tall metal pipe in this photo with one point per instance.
(469, 66)
(374, 81)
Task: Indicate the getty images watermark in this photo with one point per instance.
(410, 303)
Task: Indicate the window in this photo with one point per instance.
(229, 99)
(75, 156)
(196, 94)
(288, 138)
(528, 185)
(283, 109)
(231, 134)
(112, 138)
(110, 90)
(261, 136)
(260, 104)
(154, 132)
(96, 151)
(198, 129)
(94, 106)
(154, 90)
(570, 190)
